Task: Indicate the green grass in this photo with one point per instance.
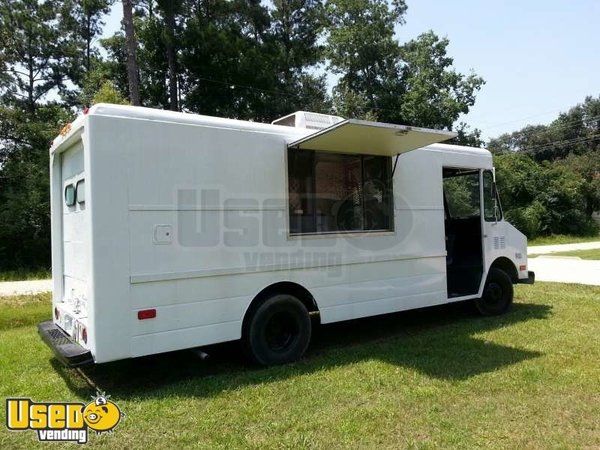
(440, 377)
(583, 254)
(25, 274)
(556, 239)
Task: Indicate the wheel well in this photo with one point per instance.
(283, 287)
(506, 265)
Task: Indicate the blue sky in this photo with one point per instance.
(538, 57)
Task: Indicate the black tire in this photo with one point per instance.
(497, 295)
(277, 331)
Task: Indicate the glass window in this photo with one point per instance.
(81, 191)
(491, 203)
(462, 194)
(70, 195)
(377, 190)
(332, 192)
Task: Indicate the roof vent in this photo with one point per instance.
(310, 120)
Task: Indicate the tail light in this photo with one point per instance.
(146, 314)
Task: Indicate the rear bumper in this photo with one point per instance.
(69, 352)
(529, 280)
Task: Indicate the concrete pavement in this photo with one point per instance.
(546, 249)
(24, 287)
(564, 269)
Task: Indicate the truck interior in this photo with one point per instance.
(462, 221)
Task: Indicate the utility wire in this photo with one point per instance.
(564, 125)
(561, 143)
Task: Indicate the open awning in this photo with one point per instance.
(370, 138)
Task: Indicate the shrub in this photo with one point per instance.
(542, 199)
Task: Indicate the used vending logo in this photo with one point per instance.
(63, 421)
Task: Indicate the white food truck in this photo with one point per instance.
(173, 231)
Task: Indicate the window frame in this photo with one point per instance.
(77, 184)
(72, 186)
(461, 172)
(336, 233)
(496, 196)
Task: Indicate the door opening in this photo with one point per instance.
(462, 221)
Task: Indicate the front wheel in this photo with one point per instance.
(277, 332)
(497, 295)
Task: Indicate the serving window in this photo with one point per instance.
(336, 192)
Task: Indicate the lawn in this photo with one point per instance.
(440, 377)
(25, 274)
(583, 254)
(556, 239)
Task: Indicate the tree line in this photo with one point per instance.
(243, 59)
(246, 59)
(549, 175)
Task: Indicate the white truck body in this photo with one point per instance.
(181, 220)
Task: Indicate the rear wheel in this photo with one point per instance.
(497, 295)
(277, 331)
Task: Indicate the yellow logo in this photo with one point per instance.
(63, 421)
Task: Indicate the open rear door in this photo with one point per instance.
(370, 138)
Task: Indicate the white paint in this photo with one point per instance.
(136, 246)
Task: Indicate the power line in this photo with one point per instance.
(560, 126)
(562, 143)
(571, 122)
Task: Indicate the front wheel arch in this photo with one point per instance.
(507, 266)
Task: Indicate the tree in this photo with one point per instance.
(82, 24)
(549, 175)
(169, 9)
(574, 132)
(587, 165)
(132, 66)
(543, 198)
(24, 184)
(34, 55)
(362, 50)
(85, 22)
(294, 49)
(412, 84)
(33, 51)
(466, 136)
(433, 94)
(108, 94)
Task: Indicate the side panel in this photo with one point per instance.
(208, 231)
(192, 221)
